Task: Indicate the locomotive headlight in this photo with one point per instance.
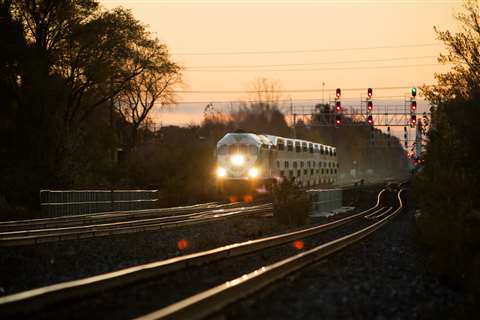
(221, 172)
(253, 172)
(237, 160)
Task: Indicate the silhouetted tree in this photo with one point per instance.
(447, 187)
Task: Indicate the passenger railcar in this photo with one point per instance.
(248, 162)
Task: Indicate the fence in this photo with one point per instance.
(325, 200)
(56, 203)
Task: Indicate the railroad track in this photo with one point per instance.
(140, 224)
(213, 300)
(105, 217)
(36, 299)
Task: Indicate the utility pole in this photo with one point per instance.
(294, 120)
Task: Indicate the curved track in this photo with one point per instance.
(37, 298)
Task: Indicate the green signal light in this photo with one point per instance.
(414, 92)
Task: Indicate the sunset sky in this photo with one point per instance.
(225, 45)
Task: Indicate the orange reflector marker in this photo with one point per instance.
(298, 244)
(182, 244)
(232, 199)
(248, 198)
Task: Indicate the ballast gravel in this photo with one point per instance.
(386, 276)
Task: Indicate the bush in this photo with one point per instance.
(291, 205)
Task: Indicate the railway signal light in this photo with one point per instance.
(338, 106)
(413, 106)
(338, 93)
(369, 106)
(414, 92)
(369, 93)
(413, 120)
(338, 120)
(370, 120)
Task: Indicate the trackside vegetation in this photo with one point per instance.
(447, 187)
(291, 204)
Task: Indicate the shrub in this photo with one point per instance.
(291, 204)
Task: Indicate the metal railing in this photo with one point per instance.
(56, 203)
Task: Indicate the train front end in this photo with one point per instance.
(240, 173)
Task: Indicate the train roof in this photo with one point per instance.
(274, 141)
(262, 139)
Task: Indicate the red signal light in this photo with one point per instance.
(338, 121)
(370, 120)
(338, 93)
(338, 106)
(369, 92)
(413, 120)
(413, 106)
(369, 105)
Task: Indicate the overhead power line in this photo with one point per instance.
(302, 51)
(291, 91)
(307, 64)
(322, 69)
(287, 101)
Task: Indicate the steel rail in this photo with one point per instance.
(123, 223)
(37, 298)
(103, 216)
(82, 232)
(215, 299)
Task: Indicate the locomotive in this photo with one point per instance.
(252, 163)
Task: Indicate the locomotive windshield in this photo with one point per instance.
(237, 149)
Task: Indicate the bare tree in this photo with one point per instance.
(150, 89)
(265, 93)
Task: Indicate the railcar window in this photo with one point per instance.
(331, 153)
(322, 171)
(311, 171)
(335, 152)
(315, 147)
(297, 147)
(286, 164)
(299, 173)
(223, 150)
(281, 145)
(310, 147)
(301, 164)
(282, 173)
(290, 145)
(335, 171)
(294, 164)
(304, 147)
(322, 150)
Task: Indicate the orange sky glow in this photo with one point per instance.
(305, 45)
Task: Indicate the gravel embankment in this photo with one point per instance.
(386, 276)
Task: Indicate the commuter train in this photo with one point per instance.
(249, 163)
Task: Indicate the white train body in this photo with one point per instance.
(247, 162)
